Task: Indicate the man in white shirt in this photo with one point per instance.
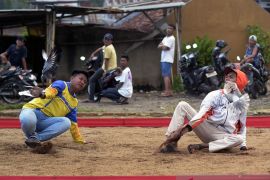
(167, 46)
(220, 122)
(124, 88)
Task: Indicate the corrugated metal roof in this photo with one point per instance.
(84, 10)
(153, 7)
(21, 17)
(24, 17)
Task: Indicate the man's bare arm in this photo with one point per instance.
(93, 53)
(24, 63)
(163, 47)
(4, 57)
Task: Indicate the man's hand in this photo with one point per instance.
(160, 45)
(229, 87)
(36, 91)
(91, 57)
(242, 103)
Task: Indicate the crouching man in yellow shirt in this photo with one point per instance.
(53, 111)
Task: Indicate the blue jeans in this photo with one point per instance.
(166, 69)
(111, 93)
(36, 123)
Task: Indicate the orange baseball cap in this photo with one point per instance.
(241, 78)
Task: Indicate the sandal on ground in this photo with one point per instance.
(166, 94)
(171, 147)
(193, 147)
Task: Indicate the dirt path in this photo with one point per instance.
(129, 151)
(149, 105)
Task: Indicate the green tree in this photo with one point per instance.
(14, 4)
(205, 48)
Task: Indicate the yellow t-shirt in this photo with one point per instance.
(110, 54)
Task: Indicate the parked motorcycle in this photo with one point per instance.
(220, 60)
(197, 79)
(13, 81)
(28, 80)
(10, 86)
(257, 79)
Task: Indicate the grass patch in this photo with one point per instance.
(89, 109)
(10, 106)
(177, 84)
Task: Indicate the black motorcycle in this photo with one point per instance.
(257, 75)
(10, 86)
(197, 79)
(13, 81)
(92, 65)
(264, 73)
(219, 59)
(28, 80)
(257, 81)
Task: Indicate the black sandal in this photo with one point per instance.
(193, 147)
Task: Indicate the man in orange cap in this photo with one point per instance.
(220, 122)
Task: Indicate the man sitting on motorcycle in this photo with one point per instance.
(251, 55)
(109, 63)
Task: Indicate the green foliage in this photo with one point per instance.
(177, 84)
(263, 38)
(14, 4)
(205, 47)
(10, 106)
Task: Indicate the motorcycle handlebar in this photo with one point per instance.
(228, 50)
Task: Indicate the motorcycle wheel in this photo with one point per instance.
(214, 83)
(27, 98)
(204, 88)
(263, 90)
(254, 92)
(12, 89)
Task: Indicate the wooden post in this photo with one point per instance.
(50, 35)
(50, 30)
(178, 26)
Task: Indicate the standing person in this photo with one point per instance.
(16, 54)
(53, 111)
(124, 88)
(220, 122)
(109, 63)
(167, 57)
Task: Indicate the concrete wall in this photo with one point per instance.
(223, 19)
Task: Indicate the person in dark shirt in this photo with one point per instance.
(16, 54)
